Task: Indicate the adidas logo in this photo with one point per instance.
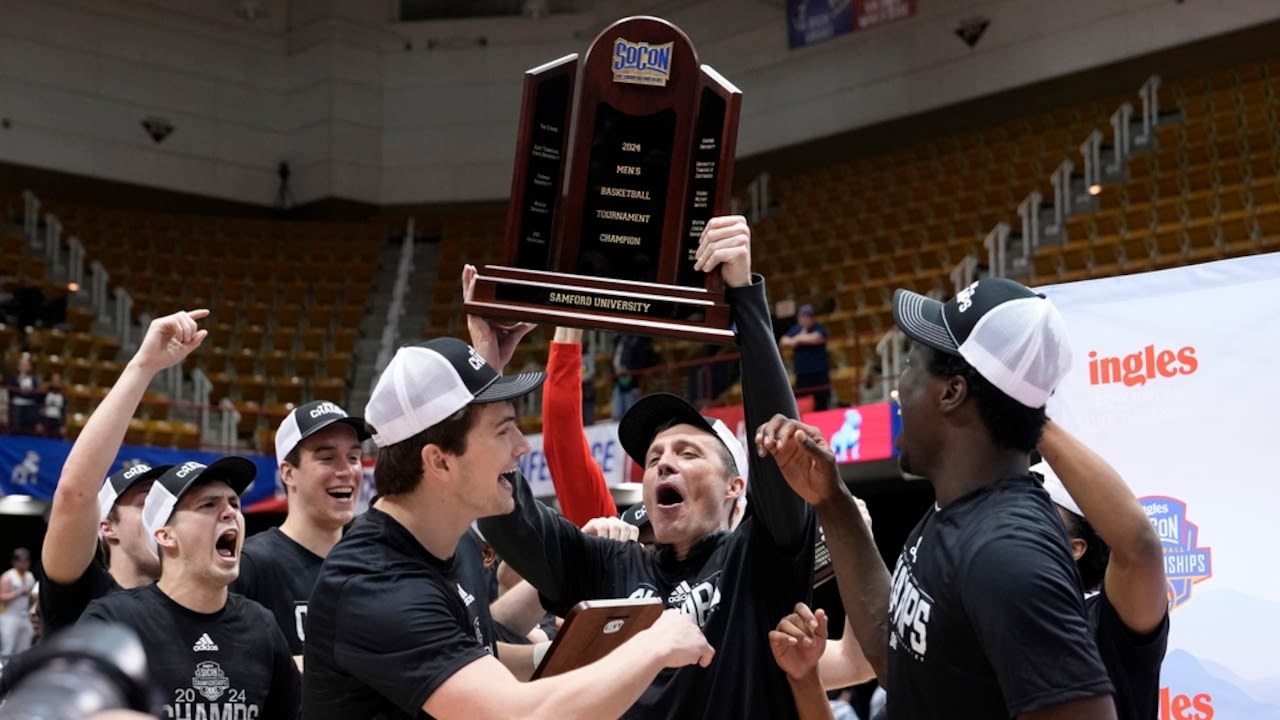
(467, 598)
(204, 644)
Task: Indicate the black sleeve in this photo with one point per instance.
(403, 645)
(60, 605)
(1022, 594)
(766, 391)
(557, 558)
(1133, 650)
(285, 695)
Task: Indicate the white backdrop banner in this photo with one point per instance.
(1175, 383)
(605, 450)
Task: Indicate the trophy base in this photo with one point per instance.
(514, 294)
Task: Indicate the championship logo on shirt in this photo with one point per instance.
(700, 600)
(909, 609)
(1185, 562)
(210, 681)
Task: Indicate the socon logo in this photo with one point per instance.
(1137, 368)
(640, 63)
(1185, 562)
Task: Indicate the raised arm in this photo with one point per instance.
(553, 554)
(1135, 583)
(71, 539)
(798, 646)
(766, 388)
(579, 481)
(810, 469)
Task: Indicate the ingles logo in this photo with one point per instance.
(1185, 563)
(1139, 367)
(640, 63)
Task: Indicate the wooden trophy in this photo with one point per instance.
(606, 211)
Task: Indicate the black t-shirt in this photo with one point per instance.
(279, 574)
(62, 605)
(233, 663)
(1132, 661)
(388, 623)
(737, 585)
(986, 619)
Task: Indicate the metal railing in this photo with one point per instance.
(395, 309)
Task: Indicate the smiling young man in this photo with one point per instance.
(318, 448)
(736, 583)
(89, 513)
(393, 631)
(212, 653)
(983, 617)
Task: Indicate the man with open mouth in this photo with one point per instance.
(212, 653)
(92, 517)
(394, 628)
(318, 449)
(735, 583)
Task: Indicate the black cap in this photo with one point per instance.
(636, 515)
(424, 384)
(120, 481)
(640, 424)
(947, 325)
(308, 419)
(169, 488)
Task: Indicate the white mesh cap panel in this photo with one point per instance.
(419, 389)
(156, 511)
(1021, 347)
(1057, 491)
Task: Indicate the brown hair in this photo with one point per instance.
(398, 469)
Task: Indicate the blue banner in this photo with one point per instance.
(813, 21)
(31, 466)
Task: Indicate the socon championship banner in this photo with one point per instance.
(1174, 382)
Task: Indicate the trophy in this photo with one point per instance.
(621, 159)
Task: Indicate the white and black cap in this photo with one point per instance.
(1013, 336)
(120, 481)
(1057, 491)
(640, 424)
(425, 384)
(178, 480)
(309, 419)
(635, 515)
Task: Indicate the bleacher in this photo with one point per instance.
(1208, 191)
(286, 301)
(851, 232)
(287, 297)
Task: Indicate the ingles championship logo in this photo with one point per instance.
(640, 63)
(1185, 564)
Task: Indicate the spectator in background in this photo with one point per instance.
(631, 354)
(53, 414)
(812, 367)
(16, 586)
(24, 391)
